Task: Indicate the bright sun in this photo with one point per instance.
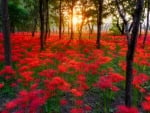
(77, 19)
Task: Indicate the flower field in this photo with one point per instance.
(72, 76)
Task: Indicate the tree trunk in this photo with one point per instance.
(80, 29)
(6, 32)
(47, 20)
(122, 30)
(147, 26)
(131, 51)
(41, 24)
(90, 30)
(140, 27)
(72, 33)
(119, 28)
(60, 19)
(99, 22)
(34, 27)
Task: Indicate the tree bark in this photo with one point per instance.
(47, 21)
(131, 51)
(72, 33)
(6, 32)
(99, 22)
(147, 26)
(60, 19)
(41, 24)
(34, 27)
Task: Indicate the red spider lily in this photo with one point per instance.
(81, 78)
(27, 100)
(1, 58)
(106, 82)
(35, 63)
(76, 93)
(63, 102)
(88, 108)
(24, 68)
(62, 68)
(57, 82)
(1, 85)
(13, 84)
(49, 73)
(34, 86)
(146, 103)
(76, 110)
(79, 102)
(27, 76)
(12, 104)
(7, 70)
(116, 77)
(124, 109)
(140, 79)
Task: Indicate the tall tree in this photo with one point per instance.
(99, 22)
(41, 12)
(131, 51)
(147, 25)
(60, 18)
(132, 40)
(6, 32)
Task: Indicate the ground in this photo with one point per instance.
(72, 76)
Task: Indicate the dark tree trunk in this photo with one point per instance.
(122, 30)
(46, 20)
(147, 26)
(119, 28)
(140, 26)
(41, 24)
(130, 28)
(60, 19)
(99, 22)
(63, 26)
(34, 27)
(6, 32)
(90, 30)
(80, 29)
(72, 33)
(131, 51)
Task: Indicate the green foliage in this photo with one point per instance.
(18, 15)
(114, 29)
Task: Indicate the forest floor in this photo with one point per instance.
(72, 76)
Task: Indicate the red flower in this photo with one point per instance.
(77, 93)
(1, 85)
(7, 70)
(63, 102)
(124, 109)
(88, 108)
(62, 68)
(27, 76)
(79, 102)
(76, 110)
(140, 79)
(116, 77)
(49, 73)
(12, 104)
(105, 82)
(146, 105)
(81, 78)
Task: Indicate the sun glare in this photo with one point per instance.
(77, 19)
